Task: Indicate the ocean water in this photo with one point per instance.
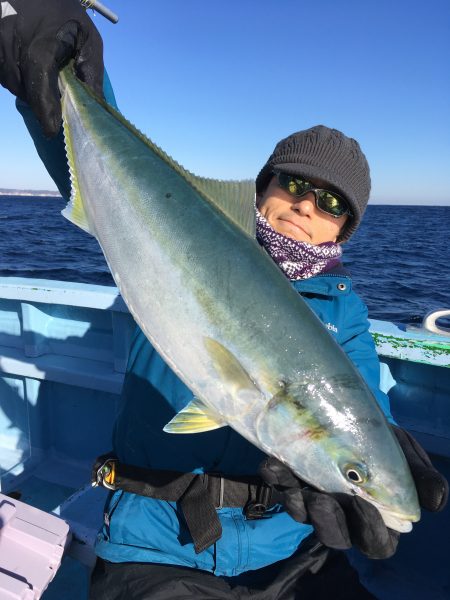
(399, 258)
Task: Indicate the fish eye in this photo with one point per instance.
(356, 473)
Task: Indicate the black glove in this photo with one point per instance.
(432, 487)
(36, 42)
(342, 520)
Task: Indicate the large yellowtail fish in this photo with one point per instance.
(182, 251)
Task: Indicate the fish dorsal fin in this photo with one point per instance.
(196, 417)
(234, 198)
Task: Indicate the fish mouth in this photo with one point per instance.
(394, 519)
(397, 521)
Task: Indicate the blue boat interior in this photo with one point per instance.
(63, 352)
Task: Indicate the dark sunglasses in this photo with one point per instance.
(328, 202)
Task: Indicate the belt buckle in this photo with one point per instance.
(256, 509)
(105, 474)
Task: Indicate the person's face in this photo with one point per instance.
(298, 218)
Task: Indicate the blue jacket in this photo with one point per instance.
(142, 529)
(139, 529)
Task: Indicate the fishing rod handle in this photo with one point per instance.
(101, 9)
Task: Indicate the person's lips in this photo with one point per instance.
(296, 225)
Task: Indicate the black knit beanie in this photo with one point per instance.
(327, 154)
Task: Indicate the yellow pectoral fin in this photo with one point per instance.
(195, 418)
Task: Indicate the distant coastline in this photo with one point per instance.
(51, 193)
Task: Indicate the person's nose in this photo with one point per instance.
(305, 205)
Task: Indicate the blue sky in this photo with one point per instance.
(217, 84)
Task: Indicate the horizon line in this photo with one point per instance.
(56, 194)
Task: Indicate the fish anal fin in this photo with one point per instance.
(234, 198)
(75, 210)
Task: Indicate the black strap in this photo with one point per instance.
(201, 515)
(199, 495)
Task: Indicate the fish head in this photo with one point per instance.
(336, 450)
(380, 474)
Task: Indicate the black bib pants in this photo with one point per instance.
(315, 573)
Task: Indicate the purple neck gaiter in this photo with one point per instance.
(298, 260)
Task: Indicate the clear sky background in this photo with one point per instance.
(217, 84)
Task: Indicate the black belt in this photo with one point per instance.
(199, 495)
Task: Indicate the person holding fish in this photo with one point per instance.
(211, 514)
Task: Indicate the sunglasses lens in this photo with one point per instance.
(331, 204)
(293, 185)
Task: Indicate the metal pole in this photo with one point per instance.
(101, 9)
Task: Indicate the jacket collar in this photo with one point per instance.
(335, 282)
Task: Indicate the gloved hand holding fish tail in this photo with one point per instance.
(33, 49)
